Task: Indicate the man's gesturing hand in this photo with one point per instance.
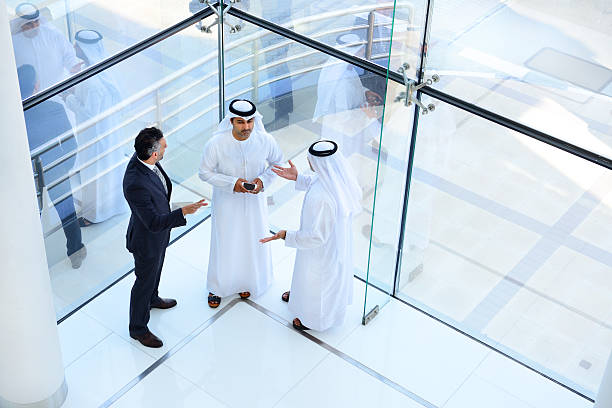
(279, 235)
(191, 208)
(290, 173)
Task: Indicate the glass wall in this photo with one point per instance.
(497, 234)
(83, 139)
(325, 21)
(501, 240)
(544, 64)
(502, 234)
(46, 41)
(305, 95)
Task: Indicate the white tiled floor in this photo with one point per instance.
(247, 358)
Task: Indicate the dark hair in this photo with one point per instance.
(147, 142)
(27, 80)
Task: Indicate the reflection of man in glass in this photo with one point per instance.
(342, 101)
(102, 192)
(45, 122)
(37, 43)
(385, 24)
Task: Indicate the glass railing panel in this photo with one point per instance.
(505, 239)
(546, 67)
(84, 139)
(49, 46)
(305, 95)
(392, 151)
(326, 21)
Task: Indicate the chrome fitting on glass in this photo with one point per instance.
(197, 5)
(412, 86)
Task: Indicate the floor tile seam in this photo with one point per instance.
(191, 190)
(188, 263)
(184, 262)
(481, 316)
(496, 208)
(161, 360)
(505, 391)
(298, 382)
(101, 323)
(539, 254)
(467, 377)
(349, 334)
(348, 359)
(199, 387)
(110, 333)
(523, 285)
(499, 348)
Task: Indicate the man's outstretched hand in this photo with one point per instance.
(279, 235)
(191, 208)
(290, 173)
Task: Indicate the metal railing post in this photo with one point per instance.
(221, 61)
(40, 180)
(371, 19)
(158, 109)
(255, 68)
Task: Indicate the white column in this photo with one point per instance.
(604, 395)
(31, 368)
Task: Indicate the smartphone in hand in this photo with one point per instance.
(248, 186)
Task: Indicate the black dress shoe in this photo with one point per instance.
(163, 304)
(148, 340)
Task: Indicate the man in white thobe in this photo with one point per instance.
(238, 162)
(102, 192)
(38, 43)
(344, 104)
(322, 285)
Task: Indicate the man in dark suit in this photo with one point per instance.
(45, 122)
(147, 189)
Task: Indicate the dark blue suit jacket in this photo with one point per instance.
(148, 232)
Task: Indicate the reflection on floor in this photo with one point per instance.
(72, 287)
(246, 353)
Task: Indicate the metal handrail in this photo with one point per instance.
(258, 35)
(170, 78)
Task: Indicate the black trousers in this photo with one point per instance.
(145, 290)
(67, 214)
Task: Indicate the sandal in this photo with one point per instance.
(244, 295)
(213, 300)
(285, 296)
(84, 222)
(298, 325)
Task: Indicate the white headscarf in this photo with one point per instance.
(337, 176)
(241, 108)
(25, 13)
(332, 75)
(90, 42)
(338, 179)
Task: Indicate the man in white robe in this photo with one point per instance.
(341, 97)
(322, 285)
(38, 43)
(238, 162)
(102, 193)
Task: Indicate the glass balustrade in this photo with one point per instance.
(499, 235)
(501, 240)
(83, 138)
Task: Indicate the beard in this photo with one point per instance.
(32, 32)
